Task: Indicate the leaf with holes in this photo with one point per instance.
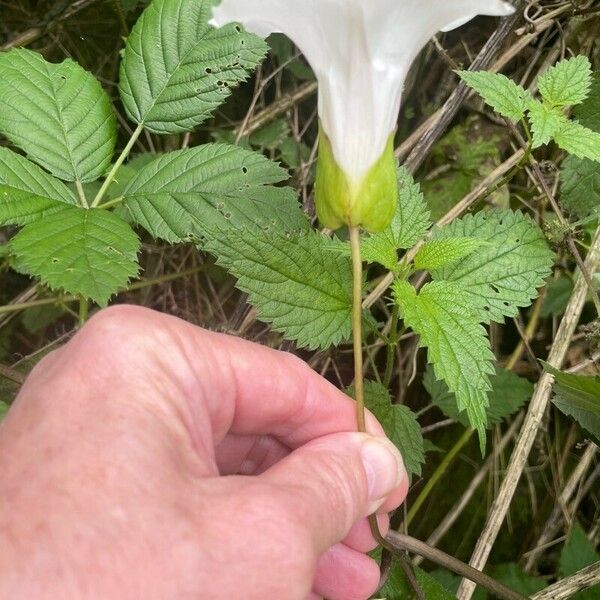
(504, 274)
(399, 422)
(502, 94)
(566, 83)
(57, 113)
(439, 253)
(92, 253)
(177, 69)
(296, 282)
(457, 344)
(409, 225)
(178, 195)
(28, 193)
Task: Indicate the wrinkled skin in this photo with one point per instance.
(148, 458)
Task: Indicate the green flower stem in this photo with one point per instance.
(438, 474)
(122, 157)
(84, 309)
(111, 203)
(81, 193)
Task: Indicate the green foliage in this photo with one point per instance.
(457, 345)
(558, 293)
(398, 588)
(439, 253)
(57, 113)
(177, 69)
(87, 252)
(409, 225)
(28, 193)
(505, 273)
(503, 95)
(578, 140)
(567, 83)
(576, 554)
(579, 397)
(176, 196)
(508, 394)
(399, 422)
(296, 281)
(545, 122)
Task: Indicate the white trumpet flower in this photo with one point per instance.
(360, 51)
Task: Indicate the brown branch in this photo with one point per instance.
(565, 588)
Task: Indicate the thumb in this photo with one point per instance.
(338, 479)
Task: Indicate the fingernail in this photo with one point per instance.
(384, 469)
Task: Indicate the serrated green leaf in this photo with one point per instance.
(505, 273)
(398, 588)
(558, 294)
(588, 113)
(297, 283)
(57, 113)
(577, 553)
(28, 193)
(409, 225)
(508, 394)
(177, 69)
(578, 140)
(545, 122)
(567, 83)
(579, 397)
(435, 254)
(580, 186)
(456, 342)
(92, 253)
(399, 422)
(178, 195)
(505, 96)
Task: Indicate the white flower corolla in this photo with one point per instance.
(360, 51)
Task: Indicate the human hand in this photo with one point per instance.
(148, 458)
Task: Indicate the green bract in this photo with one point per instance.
(339, 201)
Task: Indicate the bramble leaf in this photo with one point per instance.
(409, 225)
(57, 113)
(298, 284)
(92, 252)
(177, 69)
(567, 82)
(178, 195)
(545, 122)
(501, 93)
(579, 397)
(435, 254)
(457, 344)
(399, 422)
(28, 193)
(505, 273)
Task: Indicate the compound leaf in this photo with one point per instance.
(92, 253)
(177, 69)
(57, 113)
(457, 344)
(505, 273)
(178, 195)
(27, 192)
(567, 82)
(296, 281)
(505, 96)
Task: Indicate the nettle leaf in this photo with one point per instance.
(505, 273)
(298, 284)
(505, 96)
(57, 113)
(399, 422)
(178, 195)
(588, 113)
(409, 225)
(578, 140)
(508, 394)
(580, 186)
(28, 193)
(545, 122)
(457, 344)
(578, 396)
(92, 253)
(398, 588)
(435, 254)
(177, 69)
(567, 83)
